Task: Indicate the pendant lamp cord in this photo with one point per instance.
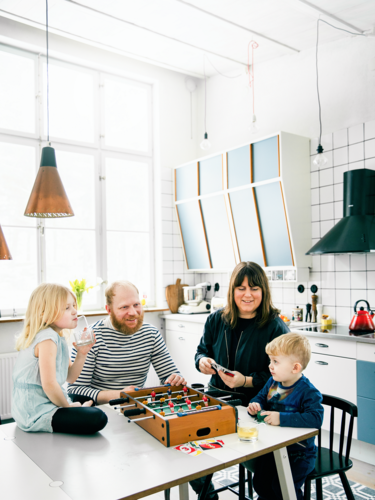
(254, 45)
(317, 80)
(205, 99)
(47, 72)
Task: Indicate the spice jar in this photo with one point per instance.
(297, 314)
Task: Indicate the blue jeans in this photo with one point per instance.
(266, 481)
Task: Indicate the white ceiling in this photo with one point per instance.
(178, 34)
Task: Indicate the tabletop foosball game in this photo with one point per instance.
(176, 415)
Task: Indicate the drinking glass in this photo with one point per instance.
(83, 334)
(247, 431)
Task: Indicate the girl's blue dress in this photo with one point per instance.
(31, 408)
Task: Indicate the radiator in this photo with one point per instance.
(7, 362)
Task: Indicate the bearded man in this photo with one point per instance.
(124, 350)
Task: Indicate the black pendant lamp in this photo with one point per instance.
(4, 250)
(48, 198)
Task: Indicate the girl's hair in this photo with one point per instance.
(46, 305)
(255, 277)
(291, 344)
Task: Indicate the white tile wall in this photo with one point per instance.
(341, 279)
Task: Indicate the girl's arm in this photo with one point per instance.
(47, 364)
(75, 368)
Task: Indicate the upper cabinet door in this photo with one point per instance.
(273, 224)
(193, 235)
(246, 225)
(211, 175)
(219, 239)
(265, 159)
(186, 182)
(239, 167)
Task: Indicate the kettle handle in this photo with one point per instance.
(362, 300)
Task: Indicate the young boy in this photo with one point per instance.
(289, 400)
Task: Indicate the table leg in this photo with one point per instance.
(285, 474)
(184, 491)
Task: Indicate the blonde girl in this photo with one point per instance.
(40, 402)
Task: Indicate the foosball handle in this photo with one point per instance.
(234, 402)
(118, 401)
(134, 413)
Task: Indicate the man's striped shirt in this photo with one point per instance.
(117, 360)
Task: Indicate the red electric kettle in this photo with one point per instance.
(362, 320)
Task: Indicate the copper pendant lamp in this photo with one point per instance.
(4, 250)
(48, 198)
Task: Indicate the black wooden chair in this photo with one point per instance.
(329, 462)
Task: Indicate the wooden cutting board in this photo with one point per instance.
(175, 296)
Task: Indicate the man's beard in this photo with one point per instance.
(121, 325)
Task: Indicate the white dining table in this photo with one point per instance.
(125, 462)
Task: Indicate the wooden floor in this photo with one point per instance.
(362, 473)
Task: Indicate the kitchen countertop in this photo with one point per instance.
(314, 329)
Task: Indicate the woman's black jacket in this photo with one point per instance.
(251, 358)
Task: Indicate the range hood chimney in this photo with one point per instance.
(355, 232)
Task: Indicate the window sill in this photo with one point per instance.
(11, 319)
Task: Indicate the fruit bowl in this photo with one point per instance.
(285, 319)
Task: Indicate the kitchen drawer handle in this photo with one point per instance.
(181, 326)
(181, 338)
(322, 345)
(321, 363)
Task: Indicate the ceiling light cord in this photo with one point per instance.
(47, 72)
(254, 45)
(205, 93)
(317, 79)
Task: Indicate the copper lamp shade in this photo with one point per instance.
(48, 198)
(4, 250)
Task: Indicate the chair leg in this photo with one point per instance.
(167, 494)
(319, 489)
(250, 484)
(307, 490)
(346, 486)
(241, 479)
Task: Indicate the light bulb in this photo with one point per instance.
(205, 144)
(320, 160)
(254, 127)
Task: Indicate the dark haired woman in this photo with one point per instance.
(236, 338)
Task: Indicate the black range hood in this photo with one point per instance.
(355, 232)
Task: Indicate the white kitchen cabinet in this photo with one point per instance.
(333, 375)
(182, 339)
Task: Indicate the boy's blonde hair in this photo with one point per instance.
(291, 344)
(46, 305)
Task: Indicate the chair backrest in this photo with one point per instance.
(347, 408)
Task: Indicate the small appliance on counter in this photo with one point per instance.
(362, 320)
(195, 299)
(218, 303)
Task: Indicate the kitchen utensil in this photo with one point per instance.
(314, 300)
(362, 320)
(319, 308)
(175, 296)
(194, 299)
(308, 313)
(297, 314)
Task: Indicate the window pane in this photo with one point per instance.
(77, 172)
(128, 258)
(17, 92)
(126, 115)
(71, 255)
(17, 174)
(127, 188)
(18, 276)
(211, 175)
(71, 103)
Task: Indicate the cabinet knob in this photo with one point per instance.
(181, 326)
(181, 338)
(321, 363)
(322, 345)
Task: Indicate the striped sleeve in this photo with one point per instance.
(162, 360)
(82, 386)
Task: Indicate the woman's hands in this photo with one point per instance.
(205, 366)
(237, 380)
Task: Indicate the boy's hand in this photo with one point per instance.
(253, 408)
(273, 417)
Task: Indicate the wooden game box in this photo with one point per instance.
(172, 430)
